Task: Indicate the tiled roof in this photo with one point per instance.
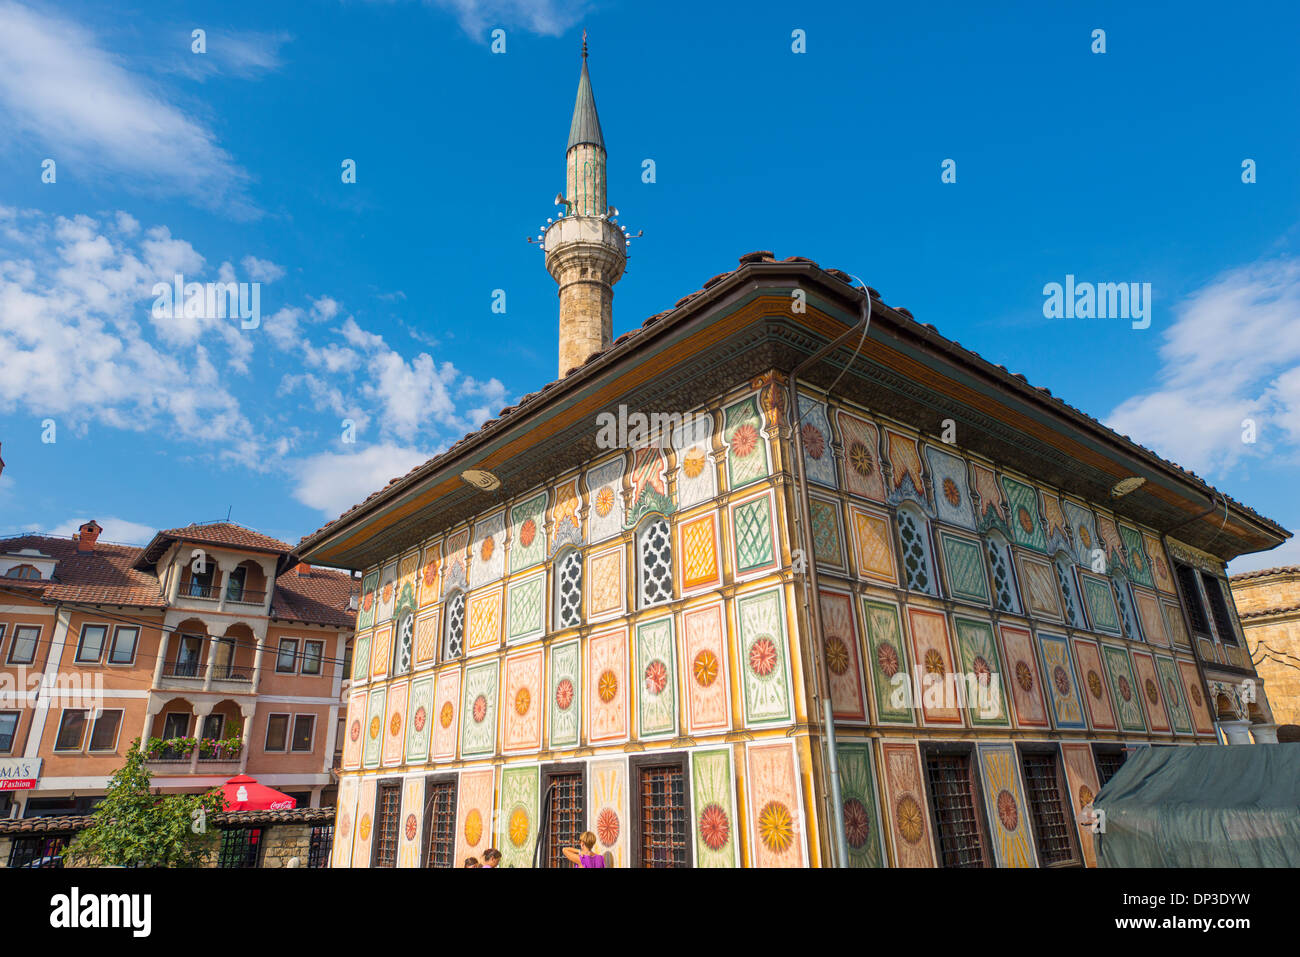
(1266, 612)
(104, 576)
(1013, 381)
(228, 533)
(1265, 572)
(319, 597)
(76, 822)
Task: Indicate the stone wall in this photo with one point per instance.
(1268, 604)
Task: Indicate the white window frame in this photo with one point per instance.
(112, 646)
(320, 657)
(13, 643)
(279, 653)
(81, 643)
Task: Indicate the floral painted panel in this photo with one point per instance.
(474, 808)
(697, 477)
(909, 818)
(411, 816)
(606, 591)
(606, 679)
(841, 650)
(525, 608)
(522, 705)
(707, 702)
(1081, 776)
(1083, 529)
(827, 534)
(873, 545)
(518, 818)
(906, 470)
(952, 498)
(1125, 688)
(862, 473)
(697, 544)
(395, 725)
(887, 661)
(931, 652)
(527, 533)
(1039, 587)
(478, 732)
(746, 446)
(1004, 798)
(1095, 693)
(605, 486)
(713, 804)
(1174, 697)
(1160, 572)
(1024, 677)
(366, 613)
(1099, 598)
(374, 730)
(649, 480)
(861, 808)
(446, 701)
(1148, 685)
(483, 627)
(764, 671)
(815, 433)
(1139, 564)
(565, 703)
(564, 517)
(488, 550)
(963, 565)
(1026, 526)
(341, 855)
(656, 671)
(607, 807)
(1192, 686)
(1062, 682)
(777, 838)
(419, 720)
(977, 651)
(355, 731)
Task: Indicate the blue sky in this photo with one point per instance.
(1123, 166)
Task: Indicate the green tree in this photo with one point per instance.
(134, 826)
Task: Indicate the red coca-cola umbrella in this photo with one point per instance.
(243, 793)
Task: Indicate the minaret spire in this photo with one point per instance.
(585, 251)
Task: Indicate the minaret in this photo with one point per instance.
(585, 251)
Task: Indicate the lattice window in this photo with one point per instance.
(453, 639)
(1070, 592)
(1214, 592)
(320, 845)
(664, 840)
(1004, 583)
(568, 818)
(916, 552)
(656, 572)
(240, 847)
(442, 825)
(402, 647)
(390, 805)
(1108, 762)
(1124, 599)
(952, 799)
(1047, 808)
(38, 852)
(568, 590)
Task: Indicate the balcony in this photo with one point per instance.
(197, 589)
(186, 669)
(244, 596)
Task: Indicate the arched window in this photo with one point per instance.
(918, 562)
(1004, 581)
(568, 589)
(453, 635)
(655, 562)
(1069, 590)
(405, 640)
(23, 571)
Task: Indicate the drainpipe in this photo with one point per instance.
(812, 609)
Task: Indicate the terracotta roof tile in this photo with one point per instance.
(319, 597)
(104, 576)
(1264, 572)
(228, 533)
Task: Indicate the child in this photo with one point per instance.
(492, 858)
(471, 862)
(585, 856)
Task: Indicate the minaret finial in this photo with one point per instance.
(584, 44)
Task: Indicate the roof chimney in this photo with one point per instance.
(303, 569)
(87, 535)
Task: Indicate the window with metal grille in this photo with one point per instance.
(664, 838)
(390, 806)
(1004, 585)
(320, 845)
(656, 571)
(568, 818)
(916, 552)
(952, 801)
(1109, 761)
(1052, 823)
(1065, 578)
(453, 641)
(240, 847)
(441, 825)
(1192, 599)
(402, 647)
(39, 852)
(568, 590)
(1214, 592)
(1124, 599)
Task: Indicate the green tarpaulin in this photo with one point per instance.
(1210, 806)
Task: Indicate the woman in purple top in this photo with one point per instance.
(585, 856)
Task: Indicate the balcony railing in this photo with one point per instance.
(194, 589)
(245, 596)
(231, 673)
(183, 669)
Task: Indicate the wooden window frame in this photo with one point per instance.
(386, 784)
(77, 658)
(293, 733)
(430, 782)
(320, 657)
(266, 738)
(112, 647)
(13, 643)
(117, 735)
(549, 773)
(1063, 793)
(636, 764)
(18, 721)
(279, 653)
(85, 730)
(967, 750)
(167, 714)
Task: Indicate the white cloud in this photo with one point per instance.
(59, 88)
(261, 270)
(1287, 553)
(1231, 354)
(244, 54)
(335, 481)
(116, 530)
(546, 17)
